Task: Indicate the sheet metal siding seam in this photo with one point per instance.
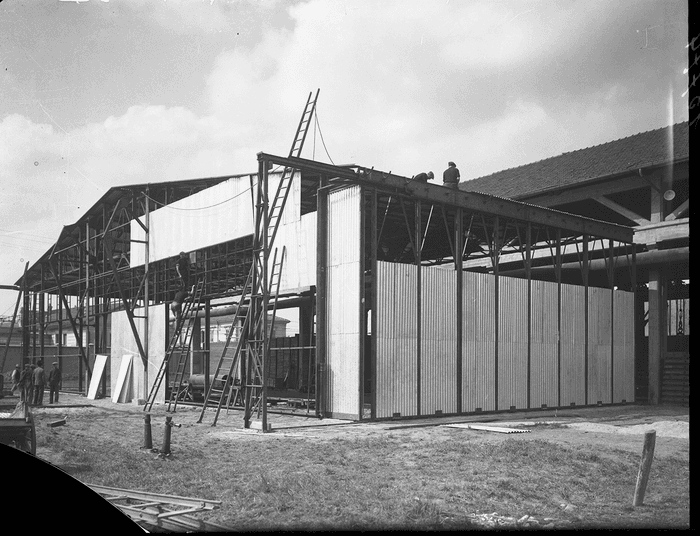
(417, 250)
(584, 275)
(458, 236)
(496, 245)
(635, 297)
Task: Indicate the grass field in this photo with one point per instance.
(362, 477)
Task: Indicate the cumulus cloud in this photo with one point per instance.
(405, 87)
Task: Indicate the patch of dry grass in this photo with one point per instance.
(385, 481)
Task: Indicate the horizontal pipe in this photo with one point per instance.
(645, 258)
(231, 309)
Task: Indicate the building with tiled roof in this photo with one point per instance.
(589, 165)
(641, 181)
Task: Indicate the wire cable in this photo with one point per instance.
(163, 205)
(322, 140)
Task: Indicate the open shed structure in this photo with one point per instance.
(403, 307)
(642, 181)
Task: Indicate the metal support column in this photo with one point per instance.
(321, 296)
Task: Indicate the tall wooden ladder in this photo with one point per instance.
(253, 340)
(230, 377)
(258, 341)
(179, 346)
(280, 199)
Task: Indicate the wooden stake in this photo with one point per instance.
(644, 467)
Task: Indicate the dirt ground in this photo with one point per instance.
(602, 429)
(621, 426)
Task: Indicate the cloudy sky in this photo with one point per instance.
(97, 93)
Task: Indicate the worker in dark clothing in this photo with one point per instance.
(424, 177)
(450, 176)
(54, 383)
(39, 380)
(183, 269)
(25, 384)
(176, 305)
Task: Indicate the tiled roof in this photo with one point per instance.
(640, 150)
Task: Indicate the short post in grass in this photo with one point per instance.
(644, 467)
(165, 451)
(147, 437)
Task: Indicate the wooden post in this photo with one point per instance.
(644, 467)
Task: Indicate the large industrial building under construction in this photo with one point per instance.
(411, 299)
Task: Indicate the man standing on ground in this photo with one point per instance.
(39, 382)
(54, 382)
(450, 176)
(16, 375)
(25, 385)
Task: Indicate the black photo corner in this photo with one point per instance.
(39, 495)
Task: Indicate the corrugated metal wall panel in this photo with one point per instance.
(122, 342)
(299, 236)
(544, 369)
(573, 345)
(343, 302)
(438, 340)
(599, 345)
(396, 360)
(224, 212)
(478, 342)
(623, 346)
(200, 220)
(512, 343)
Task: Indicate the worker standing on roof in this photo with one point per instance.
(183, 269)
(450, 176)
(424, 177)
